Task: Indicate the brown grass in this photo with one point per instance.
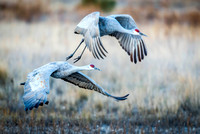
(192, 17)
(23, 9)
(3, 75)
(169, 17)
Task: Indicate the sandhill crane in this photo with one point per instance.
(122, 27)
(36, 86)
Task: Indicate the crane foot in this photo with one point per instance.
(77, 59)
(69, 57)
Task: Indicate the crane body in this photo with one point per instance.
(122, 27)
(36, 86)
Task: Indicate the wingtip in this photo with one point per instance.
(126, 95)
(47, 102)
(26, 109)
(23, 83)
(122, 98)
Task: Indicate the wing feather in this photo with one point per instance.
(145, 50)
(141, 49)
(131, 50)
(136, 51)
(132, 44)
(128, 44)
(101, 44)
(36, 86)
(98, 43)
(97, 48)
(89, 28)
(84, 81)
(138, 48)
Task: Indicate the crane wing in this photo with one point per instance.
(84, 81)
(125, 20)
(36, 86)
(89, 28)
(132, 44)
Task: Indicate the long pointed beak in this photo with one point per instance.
(143, 34)
(97, 68)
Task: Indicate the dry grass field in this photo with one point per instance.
(164, 88)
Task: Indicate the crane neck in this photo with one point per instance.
(61, 73)
(82, 68)
(76, 69)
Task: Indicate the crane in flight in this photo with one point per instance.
(122, 27)
(36, 86)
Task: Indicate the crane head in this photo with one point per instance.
(138, 31)
(93, 67)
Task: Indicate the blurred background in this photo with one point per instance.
(164, 88)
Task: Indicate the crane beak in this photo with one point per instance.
(143, 34)
(97, 68)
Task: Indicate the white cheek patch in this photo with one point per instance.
(37, 83)
(136, 33)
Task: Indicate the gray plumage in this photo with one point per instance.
(122, 27)
(36, 86)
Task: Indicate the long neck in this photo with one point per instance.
(76, 69)
(81, 68)
(68, 70)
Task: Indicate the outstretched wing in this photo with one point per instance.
(89, 28)
(132, 44)
(36, 86)
(84, 81)
(125, 20)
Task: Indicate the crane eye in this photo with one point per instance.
(137, 30)
(91, 65)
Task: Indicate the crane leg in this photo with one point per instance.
(68, 57)
(79, 57)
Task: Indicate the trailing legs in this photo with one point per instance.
(70, 56)
(79, 57)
